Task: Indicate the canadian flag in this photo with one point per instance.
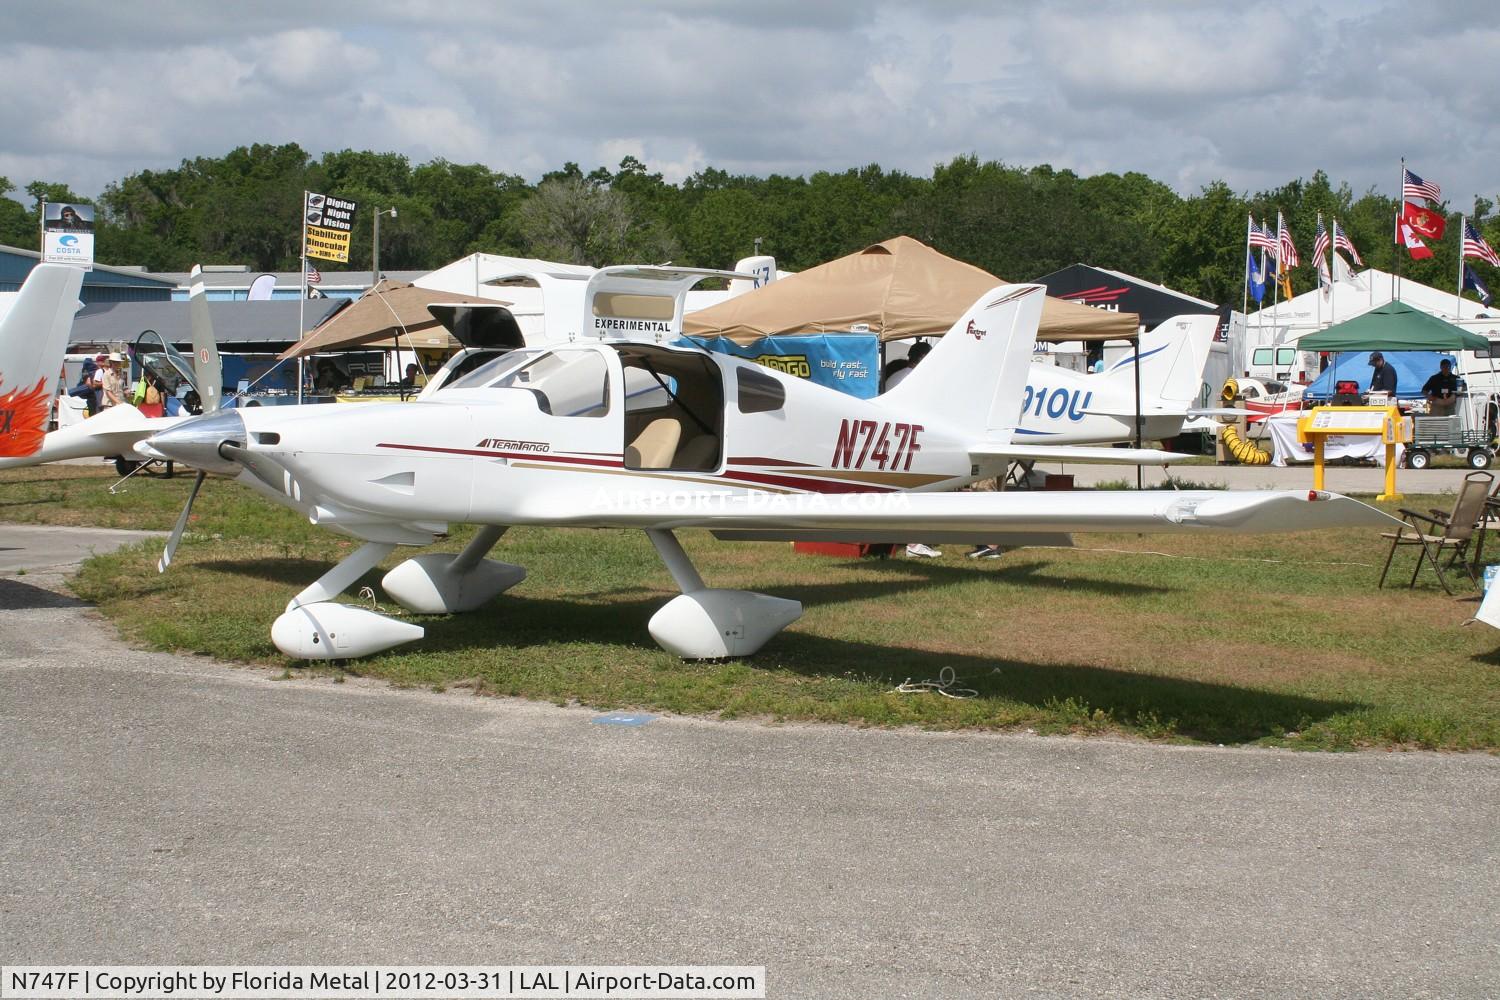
(1413, 243)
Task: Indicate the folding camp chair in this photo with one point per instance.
(1489, 520)
(1438, 532)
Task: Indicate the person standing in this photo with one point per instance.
(1383, 378)
(1441, 390)
(113, 382)
(85, 389)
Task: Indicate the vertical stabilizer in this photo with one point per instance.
(1172, 357)
(764, 269)
(33, 339)
(975, 375)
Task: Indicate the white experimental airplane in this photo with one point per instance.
(1059, 407)
(617, 430)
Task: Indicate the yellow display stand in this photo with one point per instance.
(1386, 421)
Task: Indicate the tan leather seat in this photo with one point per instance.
(702, 452)
(654, 446)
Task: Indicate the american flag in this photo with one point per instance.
(1341, 242)
(313, 275)
(1261, 237)
(1414, 188)
(1320, 243)
(1288, 253)
(1475, 246)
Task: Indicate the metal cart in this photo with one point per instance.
(1469, 431)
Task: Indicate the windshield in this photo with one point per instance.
(565, 383)
(155, 355)
(487, 373)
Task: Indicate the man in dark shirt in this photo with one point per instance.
(1383, 379)
(1441, 390)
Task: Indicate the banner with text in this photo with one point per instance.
(329, 222)
(68, 234)
(848, 362)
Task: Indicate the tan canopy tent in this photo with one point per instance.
(392, 311)
(900, 288)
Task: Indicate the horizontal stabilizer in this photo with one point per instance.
(1219, 411)
(1077, 453)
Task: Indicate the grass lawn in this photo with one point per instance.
(1280, 640)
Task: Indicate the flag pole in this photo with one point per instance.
(1458, 294)
(1276, 300)
(1333, 284)
(1400, 243)
(302, 303)
(1318, 270)
(1245, 289)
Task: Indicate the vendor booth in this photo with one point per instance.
(1412, 369)
(1397, 330)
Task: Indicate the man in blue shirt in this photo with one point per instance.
(1383, 379)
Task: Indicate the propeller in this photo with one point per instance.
(208, 376)
(210, 443)
(182, 520)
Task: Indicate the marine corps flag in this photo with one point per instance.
(1424, 221)
(327, 223)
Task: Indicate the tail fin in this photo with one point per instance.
(1172, 357)
(764, 269)
(33, 339)
(978, 370)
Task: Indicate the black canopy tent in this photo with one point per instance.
(1116, 291)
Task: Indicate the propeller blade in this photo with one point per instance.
(182, 520)
(207, 372)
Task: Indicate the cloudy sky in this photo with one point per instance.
(1255, 92)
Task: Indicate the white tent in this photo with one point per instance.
(1298, 316)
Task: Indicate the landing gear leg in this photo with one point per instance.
(437, 583)
(315, 627)
(707, 624)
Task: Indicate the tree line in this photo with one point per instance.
(1016, 222)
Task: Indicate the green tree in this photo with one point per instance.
(16, 226)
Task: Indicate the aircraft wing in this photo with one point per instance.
(965, 516)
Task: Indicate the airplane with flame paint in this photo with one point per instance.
(33, 337)
(617, 429)
(117, 430)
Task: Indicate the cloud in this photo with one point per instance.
(1188, 93)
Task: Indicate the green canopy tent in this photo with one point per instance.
(1394, 326)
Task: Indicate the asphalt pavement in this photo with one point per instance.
(164, 809)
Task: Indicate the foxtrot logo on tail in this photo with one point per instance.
(975, 374)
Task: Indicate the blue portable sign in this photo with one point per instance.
(848, 362)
